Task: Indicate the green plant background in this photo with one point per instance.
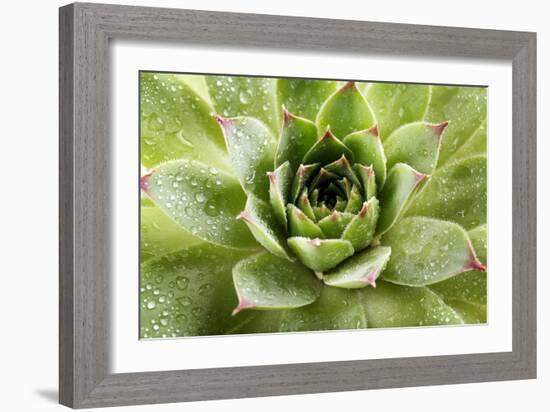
(192, 247)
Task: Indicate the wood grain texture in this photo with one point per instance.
(85, 31)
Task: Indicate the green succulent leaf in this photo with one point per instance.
(305, 206)
(327, 149)
(198, 84)
(334, 224)
(368, 180)
(160, 235)
(401, 183)
(360, 270)
(264, 281)
(368, 150)
(416, 144)
(355, 201)
(336, 309)
(176, 123)
(340, 204)
(280, 181)
(320, 254)
(360, 231)
(391, 305)
(345, 111)
(396, 104)
(467, 292)
(202, 199)
(465, 108)
(427, 251)
(189, 292)
(321, 212)
(298, 135)
(251, 147)
(475, 145)
(245, 96)
(304, 97)
(301, 225)
(456, 192)
(265, 227)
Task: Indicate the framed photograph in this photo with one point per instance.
(256, 205)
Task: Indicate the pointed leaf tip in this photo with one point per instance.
(144, 181)
(419, 177)
(343, 161)
(371, 278)
(374, 130)
(348, 85)
(315, 242)
(244, 215)
(242, 305)
(327, 134)
(364, 209)
(222, 121)
(438, 128)
(286, 115)
(272, 176)
(474, 263)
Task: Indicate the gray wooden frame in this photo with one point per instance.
(85, 31)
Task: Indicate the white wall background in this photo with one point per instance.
(28, 294)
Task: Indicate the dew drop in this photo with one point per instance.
(196, 311)
(182, 282)
(185, 301)
(245, 97)
(206, 289)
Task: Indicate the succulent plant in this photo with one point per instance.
(275, 205)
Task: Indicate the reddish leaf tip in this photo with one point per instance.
(474, 263)
(328, 134)
(364, 210)
(286, 115)
(315, 242)
(374, 130)
(348, 85)
(419, 177)
(371, 277)
(272, 176)
(144, 182)
(246, 216)
(369, 170)
(222, 121)
(334, 216)
(243, 304)
(438, 128)
(343, 161)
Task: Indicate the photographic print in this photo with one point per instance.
(273, 205)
